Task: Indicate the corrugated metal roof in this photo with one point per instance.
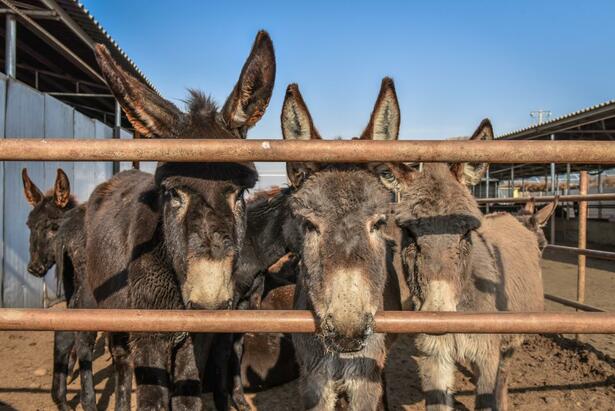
(557, 119)
(97, 32)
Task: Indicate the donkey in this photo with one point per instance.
(57, 237)
(536, 219)
(346, 263)
(171, 241)
(456, 259)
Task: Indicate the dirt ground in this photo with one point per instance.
(549, 372)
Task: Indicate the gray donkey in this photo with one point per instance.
(456, 259)
(171, 240)
(346, 272)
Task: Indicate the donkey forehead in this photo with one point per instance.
(338, 193)
(45, 210)
(205, 176)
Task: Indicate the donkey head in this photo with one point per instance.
(438, 217)
(342, 210)
(44, 220)
(535, 220)
(201, 204)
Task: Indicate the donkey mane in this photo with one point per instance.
(200, 105)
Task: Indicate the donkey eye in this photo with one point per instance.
(54, 227)
(379, 224)
(174, 198)
(310, 227)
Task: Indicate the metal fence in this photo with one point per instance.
(582, 152)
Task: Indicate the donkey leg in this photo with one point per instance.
(501, 385)
(85, 351)
(487, 368)
(152, 356)
(63, 343)
(118, 345)
(438, 378)
(187, 386)
(238, 398)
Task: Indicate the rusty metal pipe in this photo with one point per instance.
(301, 321)
(603, 255)
(547, 199)
(571, 303)
(583, 187)
(587, 152)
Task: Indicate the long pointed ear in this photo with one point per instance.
(250, 97)
(61, 189)
(30, 190)
(541, 217)
(297, 124)
(472, 173)
(150, 115)
(384, 122)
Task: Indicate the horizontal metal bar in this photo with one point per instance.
(603, 255)
(301, 321)
(62, 94)
(548, 199)
(315, 150)
(573, 304)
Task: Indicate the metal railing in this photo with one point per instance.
(582, 152)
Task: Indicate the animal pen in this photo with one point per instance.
(574, 152)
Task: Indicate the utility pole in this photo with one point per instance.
(540, 116)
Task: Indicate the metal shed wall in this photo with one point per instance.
(26, 112)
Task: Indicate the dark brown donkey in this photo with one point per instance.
(57, 237)
(345, 264)
(171, 241)
(456, 259)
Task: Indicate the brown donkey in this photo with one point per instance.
(456, 259)
(346, 263)
(57, 236)
(536, 219)
(171, 241)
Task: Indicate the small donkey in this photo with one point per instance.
(57, 237)
(536, 219)
(456, 259)
(346, 270)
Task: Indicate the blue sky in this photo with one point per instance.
(453, 62)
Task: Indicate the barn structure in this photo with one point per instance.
(51, 87)
(595, 123)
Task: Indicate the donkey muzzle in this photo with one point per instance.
(344, 337)
(209, 284)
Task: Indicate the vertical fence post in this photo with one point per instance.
(600, 190)
(553, 192)
(583, 186)
(135, 164)
(511, 189)
(582, 237)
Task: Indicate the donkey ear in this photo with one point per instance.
(529, 207)
(384, 122)
(250, 97)
(472, 173)
(150, 115)
(61, 189)
(30, 190)
(297, 125)
(541, 217)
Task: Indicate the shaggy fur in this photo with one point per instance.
(171, 241)
(457, 260)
